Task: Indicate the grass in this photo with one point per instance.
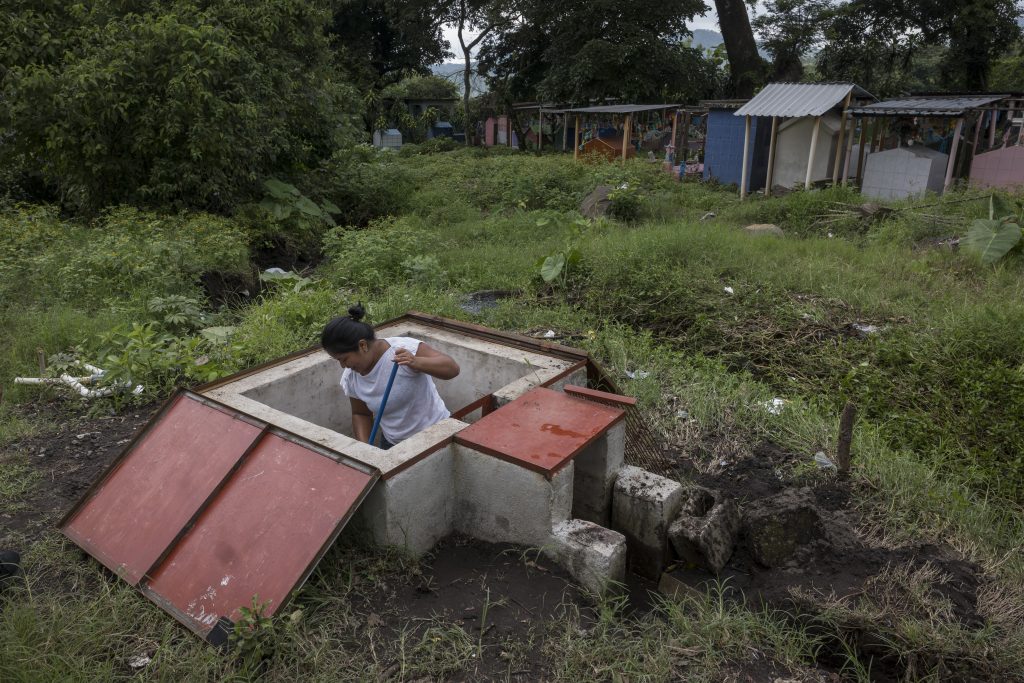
(936, 451)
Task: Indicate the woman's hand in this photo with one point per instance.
(429, 361)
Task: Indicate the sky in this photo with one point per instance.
(708, 21)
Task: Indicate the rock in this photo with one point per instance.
(596, 204)
(764, 229)
(705, 531)
(777, 527)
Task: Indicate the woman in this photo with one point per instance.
(413, 404)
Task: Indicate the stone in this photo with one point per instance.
(593, 555)
(777, 527)
(705, 534)
(596, 204)
(643, 506)
(764, 229)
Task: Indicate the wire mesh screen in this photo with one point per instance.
(643, 448)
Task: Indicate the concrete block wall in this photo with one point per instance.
(643, 507)
(596, 469)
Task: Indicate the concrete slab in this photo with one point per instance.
(643, 506)
(542, 430)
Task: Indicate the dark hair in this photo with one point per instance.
(343, 334)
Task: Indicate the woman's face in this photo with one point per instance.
(359, 360)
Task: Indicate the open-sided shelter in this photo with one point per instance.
(623, 123)
(912, 139)
(808, 131)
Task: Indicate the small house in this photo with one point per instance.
(808, 137)
(390, 138)
(723, 146)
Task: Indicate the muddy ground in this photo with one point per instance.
(523, 594)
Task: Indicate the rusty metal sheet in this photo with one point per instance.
(132, 516)
(262, 534)
(541, 430)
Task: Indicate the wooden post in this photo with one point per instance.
(746, 157)
(684, 146)
(977, 133)
(576, 139)
(952, 154)
(565, 131)
(992, 128)
(863, 147)
(540, 128)
(772, 139)
(849, 154)
(675, 152)
(840, 140)
(626, 135)
(846, 421)
(814, 149)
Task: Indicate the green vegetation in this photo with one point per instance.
(718, 320)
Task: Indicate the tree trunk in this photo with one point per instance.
(745, 65)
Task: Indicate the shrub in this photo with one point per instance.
(168, 103)
(376, 256)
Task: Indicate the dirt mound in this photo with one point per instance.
(798, 550)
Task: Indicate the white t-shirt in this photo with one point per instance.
(413, 404)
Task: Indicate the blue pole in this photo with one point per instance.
(383, 402)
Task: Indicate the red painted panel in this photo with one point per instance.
(135, 514)
(541, 430)
(261, 535)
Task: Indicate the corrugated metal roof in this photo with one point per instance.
(621, 108)
(799, 99)
(946, 105)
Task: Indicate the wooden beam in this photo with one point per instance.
(849, 154)
(540, 128)
(744, 175)
(685, 146)
(675, 153)
(626, 135)
(952, 154)
(772, 140)
(841, 139)
(992, 128)
(814, 150)
(863, 146)
(576, 139)
(565, 131)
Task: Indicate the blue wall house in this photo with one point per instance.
(723, 145)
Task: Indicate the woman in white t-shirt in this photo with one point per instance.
(413, 404)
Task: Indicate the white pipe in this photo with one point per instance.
(78, 383)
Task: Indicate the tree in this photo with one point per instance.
(789, 30)
(575, 52)
(382, 41)
(746, 67)
(178, 104)
(481, 17)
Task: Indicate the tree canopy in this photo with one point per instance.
(180, 103)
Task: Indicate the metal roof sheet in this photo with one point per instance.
(210, 507)
(931, 105)
(621, 108)
(799, 99)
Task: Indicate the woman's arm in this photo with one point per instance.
(429, 361)
(362, 420)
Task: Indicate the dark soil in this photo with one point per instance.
(836, 565)
(482, 587)
(69, 458)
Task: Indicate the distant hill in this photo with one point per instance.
(705, 38)
(453, 72)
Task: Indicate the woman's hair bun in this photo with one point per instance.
(357, 312)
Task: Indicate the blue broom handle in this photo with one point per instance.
(383, 402)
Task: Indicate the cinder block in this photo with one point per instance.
(643, 506)
(596, 469)
(593, 555)
(705, 531)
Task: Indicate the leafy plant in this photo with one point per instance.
(289, 279)
(992, 239)
(555, 267)
(253, 634)
(626, 202)
(177, 313)
(284, 200)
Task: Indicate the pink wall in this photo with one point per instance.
(502, 130)
(1002, 168)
